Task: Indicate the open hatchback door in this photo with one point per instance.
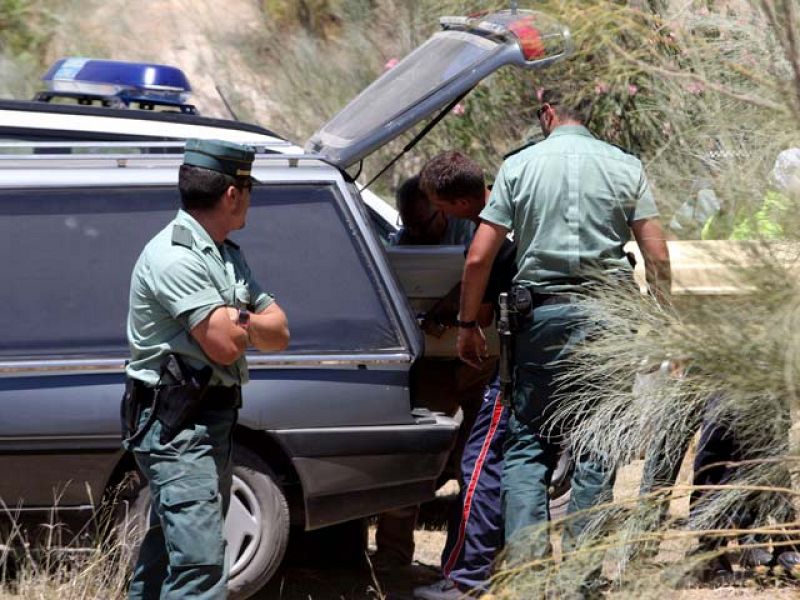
(438, 74)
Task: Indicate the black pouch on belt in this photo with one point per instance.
(180, 391)
(520, 308)
(129, 411)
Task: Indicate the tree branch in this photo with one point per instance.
(697, 78)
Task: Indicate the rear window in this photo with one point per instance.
(68, 257)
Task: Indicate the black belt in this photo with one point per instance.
(545, 299)
(216, 396)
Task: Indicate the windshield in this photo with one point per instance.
(441, 59)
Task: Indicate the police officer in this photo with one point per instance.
(571, 201)
(195, 307)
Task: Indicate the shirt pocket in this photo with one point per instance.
(241, 294)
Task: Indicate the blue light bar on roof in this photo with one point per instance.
(117, 82)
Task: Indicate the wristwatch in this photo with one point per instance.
(244, 318)
(466, 324)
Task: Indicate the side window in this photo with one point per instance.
(67, 262)
(68, 257)
(300, 247)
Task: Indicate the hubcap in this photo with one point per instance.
(243, 527)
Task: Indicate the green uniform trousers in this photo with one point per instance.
(183, 551)
(531, 449)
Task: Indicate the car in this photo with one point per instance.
(328, 432)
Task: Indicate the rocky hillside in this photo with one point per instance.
(214, 42)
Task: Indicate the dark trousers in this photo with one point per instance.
(720, 448)
(475, 530)
(531, 449)
(182, 555)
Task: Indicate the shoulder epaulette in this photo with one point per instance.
(520, 149)
(233, 245)
(181, 236)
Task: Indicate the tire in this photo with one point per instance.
(259, 506)
(256, 527)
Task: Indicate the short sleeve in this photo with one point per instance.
(645, 207)
(183, 287)
(500, 207)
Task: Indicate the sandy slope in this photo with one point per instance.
(213, 41)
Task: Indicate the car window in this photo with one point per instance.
(69, 256)
(299, 246)
(65, 291)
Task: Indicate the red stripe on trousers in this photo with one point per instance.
(473, 483)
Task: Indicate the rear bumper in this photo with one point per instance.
(352, 472)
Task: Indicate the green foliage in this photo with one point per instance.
(24, 26)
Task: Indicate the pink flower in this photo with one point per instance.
(601, 88)
(539, 93)
(458, 109)
(391, 63)
(695, 87)
(633, 89)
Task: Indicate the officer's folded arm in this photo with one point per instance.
(221, 339)
(224, 341)
(269, 329)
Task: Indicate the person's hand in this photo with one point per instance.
(471, 346)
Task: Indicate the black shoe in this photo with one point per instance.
(756, 558)
(717, 570)
(595, 588)
(789, 561)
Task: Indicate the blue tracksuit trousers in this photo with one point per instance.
(475, 531)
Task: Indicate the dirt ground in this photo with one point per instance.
(318, 582)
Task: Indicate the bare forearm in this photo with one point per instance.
(222, 340)
(269, 330)
(659, 278)
(478, 267)
(653, 244)
(473, 285)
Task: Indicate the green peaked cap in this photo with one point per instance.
(226, 157)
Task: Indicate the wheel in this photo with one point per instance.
(256, 526)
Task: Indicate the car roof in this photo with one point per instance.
(28, 118)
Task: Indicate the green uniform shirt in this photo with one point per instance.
(570, 201)
(180, 278)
